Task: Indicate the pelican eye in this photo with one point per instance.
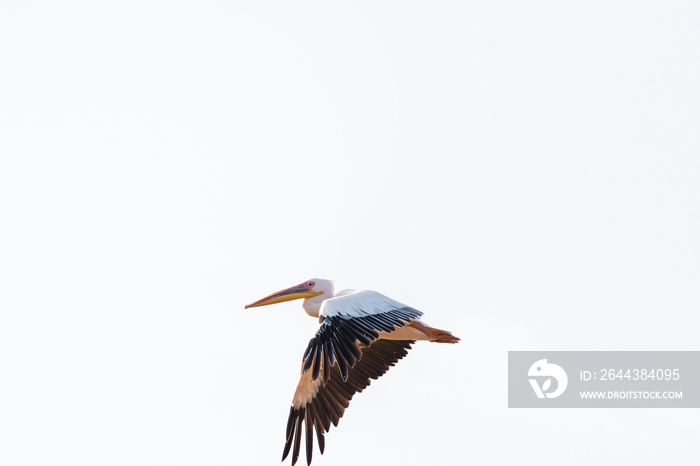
(310, 284)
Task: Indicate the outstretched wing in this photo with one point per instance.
(321, 401)
(349, 320)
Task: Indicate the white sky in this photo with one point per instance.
(525, 173)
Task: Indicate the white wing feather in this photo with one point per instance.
(358, 303)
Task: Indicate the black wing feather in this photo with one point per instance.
(333, 397)
(340, 337)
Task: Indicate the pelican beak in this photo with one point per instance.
(295, 292)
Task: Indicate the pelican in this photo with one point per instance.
(360, 336)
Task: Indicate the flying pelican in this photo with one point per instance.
(361, 335)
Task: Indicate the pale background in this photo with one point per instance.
(526, 173)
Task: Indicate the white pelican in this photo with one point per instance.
(361, 335)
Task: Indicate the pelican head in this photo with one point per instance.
(314, 292)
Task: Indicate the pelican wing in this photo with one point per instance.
(321, 401)
(348, 320)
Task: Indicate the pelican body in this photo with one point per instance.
(360, 336)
